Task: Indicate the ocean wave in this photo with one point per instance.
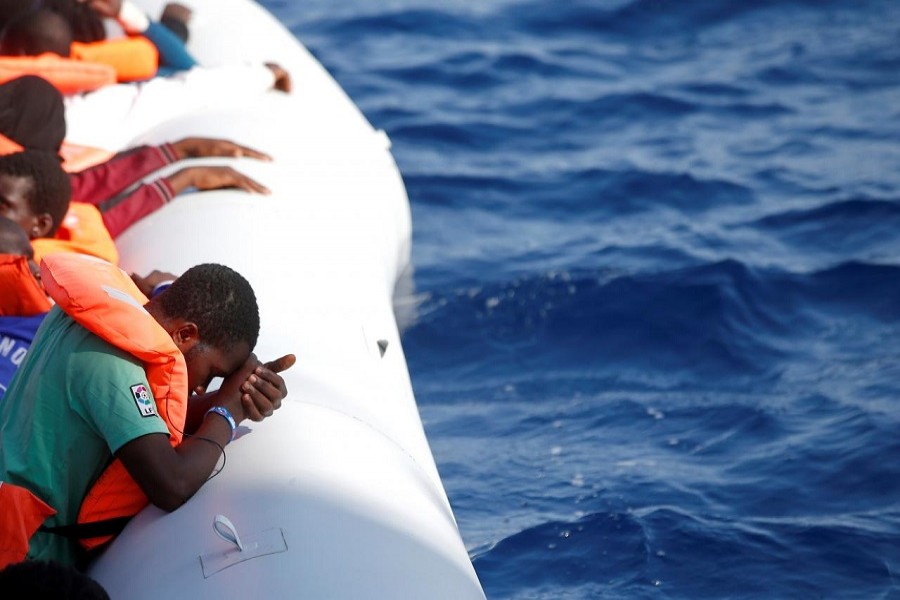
(721, 324)
(692, 321)
(410, 21)
(637, 17)
(709, 556)
(858, 226)
(589, 193)
(658, 282)
(608, 549)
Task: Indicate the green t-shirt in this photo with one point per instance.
(74, 401)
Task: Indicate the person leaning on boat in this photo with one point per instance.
(108, 378)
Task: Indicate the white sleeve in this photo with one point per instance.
(132, 19)
(113, 116)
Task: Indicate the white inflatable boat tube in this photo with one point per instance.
(337, 495)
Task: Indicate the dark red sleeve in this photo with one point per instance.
(106, 180)
(125, 210)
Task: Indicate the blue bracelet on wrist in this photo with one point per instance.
(223, 412)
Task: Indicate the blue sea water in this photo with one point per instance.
(657, 271)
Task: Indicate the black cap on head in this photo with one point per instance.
(32, 113)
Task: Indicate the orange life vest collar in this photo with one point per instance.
(104, 300)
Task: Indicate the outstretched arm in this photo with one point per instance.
(213, 178)
(125, 210)
(200, 147)
(101, 182)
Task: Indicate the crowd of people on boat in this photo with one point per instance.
(104, 405)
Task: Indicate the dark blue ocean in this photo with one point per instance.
(657, 280)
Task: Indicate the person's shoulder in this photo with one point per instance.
(89, 353)
(98, 352)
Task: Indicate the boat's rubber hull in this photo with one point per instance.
(343, 470)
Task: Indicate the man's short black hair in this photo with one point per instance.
(219, 301)
(51, 190)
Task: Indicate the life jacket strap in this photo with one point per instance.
(88, 530)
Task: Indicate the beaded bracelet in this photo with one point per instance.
(222, 411)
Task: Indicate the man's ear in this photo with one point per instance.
(42, 225)
(186, 336)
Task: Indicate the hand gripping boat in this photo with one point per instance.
(337, 495)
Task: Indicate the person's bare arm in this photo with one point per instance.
(199, 147)
(213, 178)
(170, 476)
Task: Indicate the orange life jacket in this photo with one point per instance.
(133, 58)
(82, 231)
(104, 300)
(68, 75)
(21, 295)
(22, 514)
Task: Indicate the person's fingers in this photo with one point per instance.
(239, 151)
(280, 364)
(243, 182)
(284, 84)
(250, 410)
(251, 185)
(271, 380)
(271, 391)
(211, 147)
(282, 77)
(198, 147)
(260, 406)
(211, 178)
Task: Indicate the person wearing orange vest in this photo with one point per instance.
(45, 33)
(35, 193)
(23, 301)
(48, 32)
(32, 117)
(113, 375)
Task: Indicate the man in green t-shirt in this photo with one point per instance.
(77, 401)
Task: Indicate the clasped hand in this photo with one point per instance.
(255, 391)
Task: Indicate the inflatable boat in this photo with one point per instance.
(337, 495)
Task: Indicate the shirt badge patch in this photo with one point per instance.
(142, 398)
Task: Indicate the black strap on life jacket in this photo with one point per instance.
(81, 531)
